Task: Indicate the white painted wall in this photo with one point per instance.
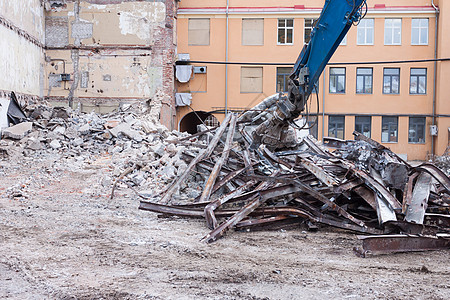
(26, 14)
(20, 63)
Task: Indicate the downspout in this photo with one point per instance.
(323, 104)
(435, 75)
(226, 65)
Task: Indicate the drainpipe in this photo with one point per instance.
(323, 104)
(435, 75)
(226, 65)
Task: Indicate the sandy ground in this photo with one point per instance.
(67, 240)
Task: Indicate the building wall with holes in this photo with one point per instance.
(114, 52)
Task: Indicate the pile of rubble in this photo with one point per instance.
(357, 185)
(360, 186)
(132, 141)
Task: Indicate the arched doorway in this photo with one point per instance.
(190, 121)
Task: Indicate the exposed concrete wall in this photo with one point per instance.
(115, 51)
(21, 47)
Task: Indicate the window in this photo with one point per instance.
(282, 79)
(211, 121)
(364, 80)
(251, 79)
(285, 31)
(336, 125)
(337, 80)
(363, 124)
(418, 81)
(312, 125)
(198, 32)
(391, 80)
(419, 32)
(365, 32)
(393, 31)
(309, 25)
(252, 32)
(389, 129)
(416, 132)
(344, 41)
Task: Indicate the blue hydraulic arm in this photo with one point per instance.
(335, 20)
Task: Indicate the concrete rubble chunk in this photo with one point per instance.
(85, 129)
(18, 131)
(59, 130)
(125, 129)
(159, 149)
(55, 144)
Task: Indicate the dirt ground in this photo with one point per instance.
(64, 239)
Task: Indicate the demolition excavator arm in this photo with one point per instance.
(335, 20)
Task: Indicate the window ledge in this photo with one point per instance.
(285, 44)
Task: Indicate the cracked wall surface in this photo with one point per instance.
(114, 51)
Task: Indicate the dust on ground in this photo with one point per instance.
(64, 239)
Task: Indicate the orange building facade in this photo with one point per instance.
(403, 105)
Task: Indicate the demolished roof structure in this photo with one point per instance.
(361, 186)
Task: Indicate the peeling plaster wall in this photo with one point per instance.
(21, 46)
(115, 51)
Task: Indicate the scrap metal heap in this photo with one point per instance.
(360, 186)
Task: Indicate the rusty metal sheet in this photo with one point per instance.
(319, 172)
(416, 210)
(385, 212)
(407, 192)
(205, 153)
(384, 244)
(374, 185)
(263, 196)
(207, 190)
(368, 196)
(434, 171)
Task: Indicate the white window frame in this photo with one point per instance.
(389, 30)
(286, 30)
(307, 27)
(418, 30)
(344, 41)
(365, 26)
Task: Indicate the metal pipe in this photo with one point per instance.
(433, 150)
(226, 60)
(323, 104)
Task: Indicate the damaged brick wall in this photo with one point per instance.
(115, 52)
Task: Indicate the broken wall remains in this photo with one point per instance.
(114, 51)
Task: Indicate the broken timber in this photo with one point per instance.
(405, 208)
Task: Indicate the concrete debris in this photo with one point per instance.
(17, 131)
(357, 185)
